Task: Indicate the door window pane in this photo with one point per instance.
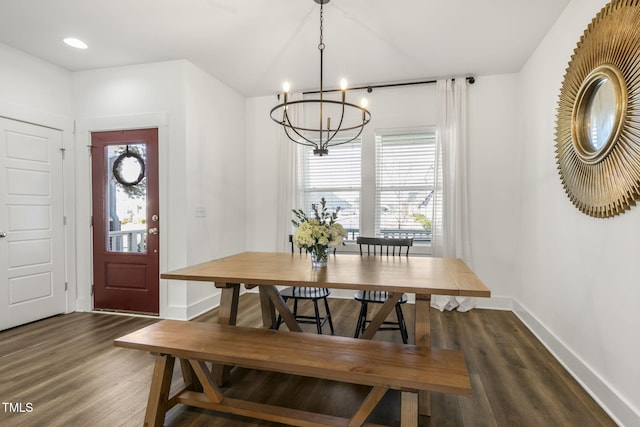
(126, 198)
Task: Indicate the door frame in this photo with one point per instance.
(84, 128)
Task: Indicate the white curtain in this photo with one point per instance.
(450, 227)
(288, 187)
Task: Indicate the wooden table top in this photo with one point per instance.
(418, 275)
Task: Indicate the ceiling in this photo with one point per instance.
(255, 45)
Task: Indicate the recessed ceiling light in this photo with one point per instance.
(73, 42)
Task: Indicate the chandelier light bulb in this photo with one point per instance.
(343, 84)
(364, 103)
(286, 87)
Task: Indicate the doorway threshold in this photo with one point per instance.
(126, 313)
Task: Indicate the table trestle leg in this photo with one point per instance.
(267, 309)
(409, 409)
(227, 315)
(381, 315)
(423, 339)
(283, 309)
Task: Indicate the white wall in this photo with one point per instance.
(215, 181)
(494, 166)
(261, 175)
(493, 188)
(28, 83)
(34, 91)
(201, 136)
(578, 278)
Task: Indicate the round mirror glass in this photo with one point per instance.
(599, 110)
(600, 114)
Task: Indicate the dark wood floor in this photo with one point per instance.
(67, 369)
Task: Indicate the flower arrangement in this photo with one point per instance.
(318, 233)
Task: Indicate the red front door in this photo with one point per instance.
(126, 222)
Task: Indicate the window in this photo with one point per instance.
(383, 189)
(405, 172)
(337, 178)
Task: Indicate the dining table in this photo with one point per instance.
(421, 276)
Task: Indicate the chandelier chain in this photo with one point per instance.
(321, 45)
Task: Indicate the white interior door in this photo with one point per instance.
(32, 273)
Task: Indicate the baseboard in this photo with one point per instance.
(202, 306)
(342, 293)
(495, 303)
(83, 304)
(617, 407)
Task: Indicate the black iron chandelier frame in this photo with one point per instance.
(326, 136)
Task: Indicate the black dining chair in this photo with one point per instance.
(298, 293)
(382, 246)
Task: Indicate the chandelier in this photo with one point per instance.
(326, 134)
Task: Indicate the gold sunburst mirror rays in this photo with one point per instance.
(598, 119)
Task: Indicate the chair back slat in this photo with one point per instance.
(291, 243)
(385, 244)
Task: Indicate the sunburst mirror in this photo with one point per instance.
(598, 120)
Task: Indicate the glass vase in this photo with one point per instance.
(319, 257)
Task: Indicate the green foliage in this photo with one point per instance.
(323, 217)
(423, 221)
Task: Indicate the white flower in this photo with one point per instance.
(319, 232)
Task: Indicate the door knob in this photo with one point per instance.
(153, 231)
(2, 234)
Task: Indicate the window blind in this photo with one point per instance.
(337, 178)
(404, 185)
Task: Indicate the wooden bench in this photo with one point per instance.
(381, 365)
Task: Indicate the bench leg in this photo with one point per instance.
(191, 381)
(423, 339)
(206, 379)
(409, 409)
(159, 391)
(368, 405)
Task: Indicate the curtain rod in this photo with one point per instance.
(370, 88)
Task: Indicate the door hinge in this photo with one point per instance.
(93, 287)
(62, 150)
(66, 286)
(64, 220)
